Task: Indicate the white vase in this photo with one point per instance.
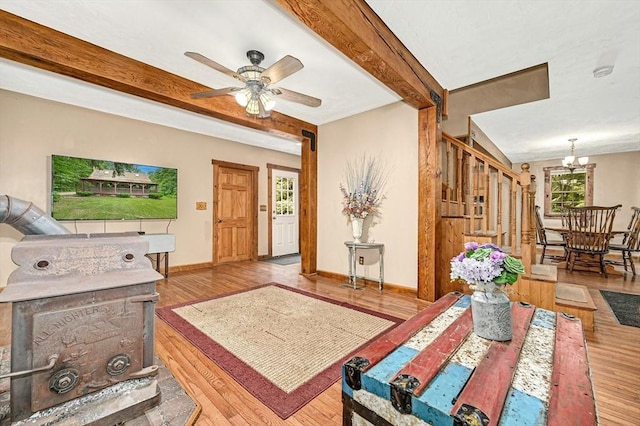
(491, 311)
(356, 228)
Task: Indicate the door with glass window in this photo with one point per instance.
(284, 212)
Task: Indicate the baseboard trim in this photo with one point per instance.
(191, 267)
(332, 275)
(387, 286)
(326, 274)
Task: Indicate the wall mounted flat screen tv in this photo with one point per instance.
(87, 189)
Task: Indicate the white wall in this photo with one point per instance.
(32, 129)
(391, 133)
(616, 181)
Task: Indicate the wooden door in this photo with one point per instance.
(235, 214)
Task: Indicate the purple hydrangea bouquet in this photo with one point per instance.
(485, 263)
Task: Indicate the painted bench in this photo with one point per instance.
(433, 369)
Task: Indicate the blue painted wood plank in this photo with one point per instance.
(463, 302)
(523, 410)
(377, 379)
(544, 318)
(435, 403)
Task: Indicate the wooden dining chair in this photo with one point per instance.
(630, 242)
(589, 235)
(541, 234)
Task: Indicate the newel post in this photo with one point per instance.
(525, 227)
(532, 220)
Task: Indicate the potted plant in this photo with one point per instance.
(487, 270)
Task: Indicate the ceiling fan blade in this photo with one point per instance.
(283, 68)
(290, 95)
(215, 92)
(216, 66)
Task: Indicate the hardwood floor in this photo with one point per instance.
(223, 401)
(614, 350)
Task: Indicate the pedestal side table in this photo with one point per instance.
(353, 276)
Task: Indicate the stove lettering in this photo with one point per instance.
(42, 337)
(71, 317)
(62, 322)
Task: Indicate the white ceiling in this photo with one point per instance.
(459, 42)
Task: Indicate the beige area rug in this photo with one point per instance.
(282, 344)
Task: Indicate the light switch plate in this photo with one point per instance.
(201, 205)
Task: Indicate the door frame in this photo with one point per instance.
(253, 205)
(270, 168)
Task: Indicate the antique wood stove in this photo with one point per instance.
(82, 319)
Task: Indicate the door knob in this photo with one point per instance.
(219, 221)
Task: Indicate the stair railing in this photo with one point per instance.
(487, 200)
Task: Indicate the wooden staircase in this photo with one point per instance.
(487, 202)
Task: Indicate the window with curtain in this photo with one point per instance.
(564, 189)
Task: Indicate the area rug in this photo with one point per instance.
(283, 345)
(287, 259)
(625, 306)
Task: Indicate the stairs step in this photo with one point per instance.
(547, 273)
(574, 295)
(483, 234)
(574, 299)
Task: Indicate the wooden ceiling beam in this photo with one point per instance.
(353, 28)
(33, 44)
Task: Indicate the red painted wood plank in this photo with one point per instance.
(431, 359)
(489, 384)
(572, 401)
(380, 348)
(410, 327)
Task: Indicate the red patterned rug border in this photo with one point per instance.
(282, 403)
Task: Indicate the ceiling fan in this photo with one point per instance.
(257, 97)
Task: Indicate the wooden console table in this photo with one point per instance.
(353, 276)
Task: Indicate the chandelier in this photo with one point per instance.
(569, 161)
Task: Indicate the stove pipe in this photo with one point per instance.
(28, 218)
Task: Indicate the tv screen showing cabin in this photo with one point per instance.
(88, 189)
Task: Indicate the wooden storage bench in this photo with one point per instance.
(433, 369)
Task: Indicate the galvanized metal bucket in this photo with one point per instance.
(491, 311)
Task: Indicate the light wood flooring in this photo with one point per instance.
(614, 350)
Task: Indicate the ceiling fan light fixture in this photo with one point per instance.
(252, 106)
(256, 97)
(242, 97)
(251, 72)
(267, 101)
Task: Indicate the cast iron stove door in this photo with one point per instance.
(98, 345)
